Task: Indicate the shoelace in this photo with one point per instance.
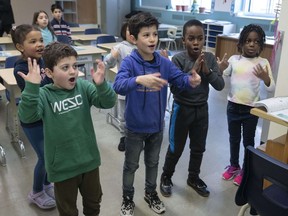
(128, 205)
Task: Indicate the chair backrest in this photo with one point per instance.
(71, 24)
(171, 32)
(93, 31)
(272, 200)
(10, 61)
(105, 39)
(63, 39)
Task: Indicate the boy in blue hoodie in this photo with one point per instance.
(143, 78)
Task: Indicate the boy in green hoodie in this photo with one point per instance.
(72, 157)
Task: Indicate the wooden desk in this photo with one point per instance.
(2, 88)
(77, 30)
(277, 148)
(86, 39)
(11, 107)
(228, 44)
(107, 46)
(6, 43)
(87, 55)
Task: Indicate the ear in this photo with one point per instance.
(133, 39)
(19, 47)
(48, 73)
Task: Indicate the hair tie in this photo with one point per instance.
(14, 27)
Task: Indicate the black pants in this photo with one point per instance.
(184, 121)
(5, 28)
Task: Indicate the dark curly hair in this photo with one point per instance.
(244, 34)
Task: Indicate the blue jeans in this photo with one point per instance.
(134, 144)
(36, 138)
(240, 121)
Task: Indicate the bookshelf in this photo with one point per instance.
(70, 13)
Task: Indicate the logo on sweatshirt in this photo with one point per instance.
(67, 104)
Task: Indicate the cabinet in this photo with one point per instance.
(70, 13)
(214, 28)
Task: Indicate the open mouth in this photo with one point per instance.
(72, 79)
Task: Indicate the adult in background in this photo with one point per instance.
(6, 17)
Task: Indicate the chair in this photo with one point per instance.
(63, 39)
(170, 39)
(105, 39)
(92, 31)
(266, 201)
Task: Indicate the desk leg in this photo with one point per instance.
(2, 156)
(13, 129)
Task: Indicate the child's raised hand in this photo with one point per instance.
(195, 78)
(98, 75)
(33, 75)
(164, 53)
(153, 81)
(222, 63)
(262, 73)
(198, 63)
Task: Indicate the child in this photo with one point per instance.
(246, 71)
(118, 53)
(59, 25)
(28, 40)
(41, 20)
(190, 109)
(71, 153)
(143, 78)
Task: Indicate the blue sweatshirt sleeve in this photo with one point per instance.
(125, 80)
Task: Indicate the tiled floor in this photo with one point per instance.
(16, 177)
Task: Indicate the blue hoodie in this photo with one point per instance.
(145, 108)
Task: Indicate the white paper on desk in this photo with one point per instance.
(282, 114)
(273, 104)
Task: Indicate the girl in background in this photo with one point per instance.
(115, 57)
(41, 20)
(28, 40)
(246, 72)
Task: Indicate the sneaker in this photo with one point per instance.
(154, 202)
(238, 179)
(127, 207)
(199, 186)
(42, 200)
(166, 186)
(231, 172)
(121, 146)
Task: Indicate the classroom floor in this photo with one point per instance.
(16, 176)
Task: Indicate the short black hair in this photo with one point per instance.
(56, 6)
(192, 22)
(244, 34)
(55, 52)
(140, 20)
(123, 30)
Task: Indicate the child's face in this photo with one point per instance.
(57, 14)
(42, 20)
(65, 73)
(251, 47)
(194, 40)
(32, 46)
(146, 42)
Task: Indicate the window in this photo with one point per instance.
(259, 8)
(202, 3)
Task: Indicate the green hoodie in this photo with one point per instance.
(70, 146)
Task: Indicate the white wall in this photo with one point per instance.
(24, 9)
